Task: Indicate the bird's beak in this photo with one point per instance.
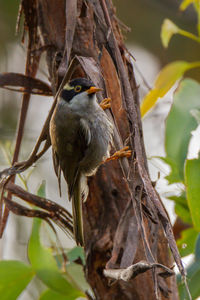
(93, 90)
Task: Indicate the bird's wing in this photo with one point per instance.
(83, 140)
(85, 133)
(57, 168)
(78, 190)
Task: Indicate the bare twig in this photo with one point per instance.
(51, 210)
(44, 135)
(38, 201)
(25, 84)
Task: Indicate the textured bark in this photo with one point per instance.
(109, 193)
(114, 237)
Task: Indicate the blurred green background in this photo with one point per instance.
(145, 19)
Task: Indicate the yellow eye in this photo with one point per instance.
(77, 88)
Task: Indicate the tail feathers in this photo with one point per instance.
(84, 188)
(79, 194)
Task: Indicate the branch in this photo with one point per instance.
(25, 84)
(136, 269)
(51, 210)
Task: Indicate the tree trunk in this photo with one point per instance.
(114, 237)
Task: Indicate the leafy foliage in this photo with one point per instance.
(165, 80)
(14, 277)
(175, 70)
(52, 295)
(193, 272)
(179, 125)
(192, 174)
(180, 122)
(64, 281)
(183, 118)
(45, 266)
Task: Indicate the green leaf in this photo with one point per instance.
(179, 199)
(174, 175)
(179, 125)
(192, 178)
(76, 273)
(41, 192)
(44, 263)
(193, 275)
(75, 253)
(181, 208)
(52, 295)
(187, 242)
(183, 212)
(165, 80)
(14, 277)
(197, 248)
(168, 29)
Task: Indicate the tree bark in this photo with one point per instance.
(90, 31)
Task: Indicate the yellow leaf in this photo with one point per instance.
(186, 3)
(168, 29)
(149, 101)
(165, 80)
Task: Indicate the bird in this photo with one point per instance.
(81, 137)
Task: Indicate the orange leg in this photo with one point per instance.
(105, 103)
(125, 152)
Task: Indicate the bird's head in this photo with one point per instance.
(79, 92)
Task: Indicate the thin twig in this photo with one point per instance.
(44, 135)
(41, 202)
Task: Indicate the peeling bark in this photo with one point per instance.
(124, 219)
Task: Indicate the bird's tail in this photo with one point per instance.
(79, 195)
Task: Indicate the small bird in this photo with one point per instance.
(81, 135)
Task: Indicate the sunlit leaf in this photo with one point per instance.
(179, 125)
(168, 29)
(14, 277)
(187, 242)
(192, 177)
(165, 80)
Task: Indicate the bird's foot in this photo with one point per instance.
(105, 103)
(124, 152)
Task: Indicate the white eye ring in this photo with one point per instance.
(77, 88)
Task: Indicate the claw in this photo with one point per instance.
(105, 103)
(124, 152)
